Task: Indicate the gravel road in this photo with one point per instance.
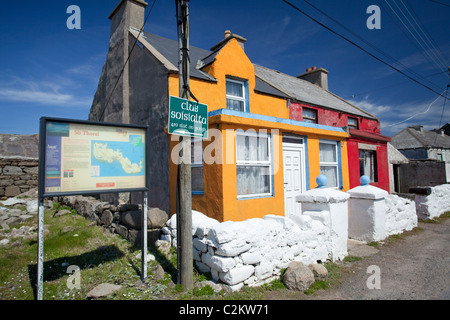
(415, 267)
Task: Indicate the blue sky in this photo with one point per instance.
(48, 70)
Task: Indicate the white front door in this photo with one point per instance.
(294, 175)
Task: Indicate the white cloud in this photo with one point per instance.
(42, 93)
(395, 117)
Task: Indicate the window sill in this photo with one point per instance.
(252, 197)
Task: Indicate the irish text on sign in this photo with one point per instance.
(188, 118)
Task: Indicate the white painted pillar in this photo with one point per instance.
(329, 206)
(367, 212)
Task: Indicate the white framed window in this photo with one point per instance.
(352, 122)
(309, 115)
(253, 164)
(236, 95)
(329, 162)
(197, 173)
(368, 164)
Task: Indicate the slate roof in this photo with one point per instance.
(411, 138)
(304, 91)
(169, 49)
(15, 146)
(267, 81)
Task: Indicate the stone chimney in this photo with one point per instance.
(227, 37)
(317, 76)
(417, 128)
(128, 13)
(109, 105)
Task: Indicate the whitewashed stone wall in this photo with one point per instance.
(254, 251)
(400, 214)
(434, 204)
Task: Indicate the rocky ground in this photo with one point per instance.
(14, 211)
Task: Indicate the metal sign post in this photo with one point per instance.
(40, 260)
(144, 238)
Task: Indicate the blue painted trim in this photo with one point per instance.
(273, 119)
(341, 184)
(247, 101)
(272, 178)
(305, 141)
(272, 181)
(198, 192)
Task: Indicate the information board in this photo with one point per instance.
(188, 118)
(84, 157)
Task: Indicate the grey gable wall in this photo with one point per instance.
(149, 105)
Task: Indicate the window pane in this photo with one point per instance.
(197, 178)
(196, 151)
(331, 173)
(235, 89)
(308, 113)
(368, 164)
(352, 122)
(327, 152)
(253, 180)
(263, 148)
(242, 147)
(235, 105)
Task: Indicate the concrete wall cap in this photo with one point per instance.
(322, 195)
(367, 192)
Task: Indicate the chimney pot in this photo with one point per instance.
(317, 76)
(227, 33)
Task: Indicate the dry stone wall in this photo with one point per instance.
(17, 176)
(123, 218)
(400, 214)
(435, 203)
(254, 251)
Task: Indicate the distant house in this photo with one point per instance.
(415, 143)
(445, 128)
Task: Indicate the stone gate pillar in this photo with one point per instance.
(330, 206)
(367, 212)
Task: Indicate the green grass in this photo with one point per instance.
(439, 219)
(73, 240)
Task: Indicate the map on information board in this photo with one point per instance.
(111, 159)
(81, 157)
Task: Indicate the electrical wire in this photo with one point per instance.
(413, 34)
(438, 2)
(388, 86)
(423, 79)
(102, 113)
(359, 47)
(419, 113)
(437, 51)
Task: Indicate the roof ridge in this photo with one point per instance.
(305, 82)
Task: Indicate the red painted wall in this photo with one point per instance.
(353, 163)
(332, 118)
(339, 119)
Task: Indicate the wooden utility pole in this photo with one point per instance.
(184, 210)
